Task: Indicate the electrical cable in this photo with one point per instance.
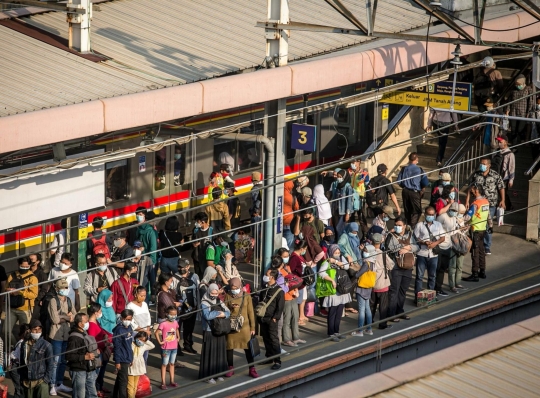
(482, 28)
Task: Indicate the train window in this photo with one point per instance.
(160, 161)
(224, 153)
(343, 115)
(116, 181)
(179, 164)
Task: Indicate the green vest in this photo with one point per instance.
(324, 288)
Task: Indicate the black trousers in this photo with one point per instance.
(443, 141)
(412, 205)
(380, 300)
(189, 326)
(120, 385)
(334, 319)
(478, 252)
(518, 131)
(443, 261)
(269, 333)
(507, 200)
(400, 281)
(230, 357)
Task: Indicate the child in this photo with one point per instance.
(167, 336)
(140, 345)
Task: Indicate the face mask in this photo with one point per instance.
(445, 183)
(108, 304)
(224, 244)
(451, 213)
(352, 235)
(430, 218)
(452, 195)
(520, 87)
(140, 219)
(99, 316)
(266, 279)
(385, 219)
(538, 107)
(137, 253)
(213, 297)
(63, 292)
(35, 336)
(483, 168)
(23, 270)
(171, 317)
(197, 225)
(117, 243)
(353, 166)
(139, 343)
(365, 254)
(337, 256)
(236, 291)
(64, 267)
(398, 228)
(102, 268)
(340, 180)
(460, 215)
(177, 156)
(86, 326)
(303, 253)
(329, 239)
(126, 323)
(286, 260)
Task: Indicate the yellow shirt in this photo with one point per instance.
(29, 293)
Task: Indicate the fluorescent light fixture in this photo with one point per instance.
(364, 100)
(431, 80)
(106, 159)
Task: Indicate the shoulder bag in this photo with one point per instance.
(260, 310)
(436, 250)
(237, 321)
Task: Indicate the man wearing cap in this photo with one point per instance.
(488, 83)
(447, 259)
(383, 216)
(379, 294)
(36, 362)
(122, 251)
(441, 120)
(307, 198)
(413, 181)
(218, 212)
(505, 163)
(379, 189)
(99, 278)
(522, 108)
(492, 184)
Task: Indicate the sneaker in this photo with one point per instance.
(282, 352)
(276, 366)
(488, 252)
(369, 331)
(63, 388)
(334, 339)
(299, 341)
(211, 381)
(220, 379)
(52, 391)
(442, 293)
(358, 334)
(340, 336)
(190, 350)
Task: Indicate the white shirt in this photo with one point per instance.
(72, 280)
(421, 234)
(141, 315)
(450, 226)
(59, 240)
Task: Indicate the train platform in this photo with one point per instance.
(513, 275)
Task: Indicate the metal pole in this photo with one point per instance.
(453, 89)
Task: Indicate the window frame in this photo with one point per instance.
(127, 180)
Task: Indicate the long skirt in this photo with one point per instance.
(213, 355)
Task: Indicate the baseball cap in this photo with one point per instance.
(256, 176)
(61, 284)
(388, 211)
(502, 137)
(306, 191)
(376, 238)
(120, 234)
(462, 209)
(381, 168)
(446, 177)
(137, 243)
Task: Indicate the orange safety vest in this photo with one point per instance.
(481, 215)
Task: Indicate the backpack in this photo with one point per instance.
(119, 253)
(461, 243)
(91, 346)
(368, 278)
(375, 196)
(17, 282)
(308, 276)
(44, 311)
(294, 281)
(186, 293)
(343, 282)
(100, 246)
(219, 326)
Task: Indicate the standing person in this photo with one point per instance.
(382, 217)
(522, 108)
(145, 268)
(60, 314)
(201, 234)
(66, 271)
(21, 301)
(83, 357)
(35, 362)
(292, 317)
(479, 220)
(168, 336)
(349, 243)
(279, 265)
(328, 239)
(401, 246)
(342, 196)
(148, 236)
(98, 279)
(274, 299)
(142, 320)
(335, 303)
(256, 194)
(233, 204)
(121, 251)
(447, 257)
(14, 360)
(454, 275)
(98, 242)
(360, 180)
(413, 181)
(214, 348)
(240, 304)
(324, 210)
(492, 185)
(37, 269)
(215, 181)
(506, 167)
(218, 212)
(363, 294)
(441, 120)
(57, 247)
(379, 294)
(429, 235)
(122, 288)
(104, 341)
(290, 205)
(378, 191)
(123, 352)
(108, 319)
(307, 218)
(166, 297)
(141, 346)
(447, 198)
(487, 83)
(170, 239)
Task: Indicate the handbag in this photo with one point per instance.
(237, 321)
(260, 309)
(219, 326)
(254, 346)
(436, 250)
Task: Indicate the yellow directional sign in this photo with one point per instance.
(421, 99)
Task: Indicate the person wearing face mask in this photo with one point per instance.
(290, 204)
(445, 179)
(447, 198)
(83, 358)
(504, 162)
(383, 216)
(108, 318)
(145, 270)
(36, 362)
(342, 200)
(170, 239)
(523, 107)
(141, 345)
(328, 239)
(379, 295)
(214, 348)
(429, 235)
(66, 271)
(349, 243)
(148, 236)
(454, 274)
(121, 251)
(240, 305)
(202, 233)
(308, 218)
(168, 336)
(99, 278)
(447, 258)
(142, 320)
(140, 217)
(37, 269)
(291, 316)
(23, 289)
(57, 326)
(479, 219)
(402, 247)
(104, 342)
(166, 297)
(279, 265)
(363, 294)
(218, 212)
(123, 353)
(122, 288)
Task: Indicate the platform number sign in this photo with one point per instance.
(304, 137)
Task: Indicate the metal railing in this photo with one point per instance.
(471, 147)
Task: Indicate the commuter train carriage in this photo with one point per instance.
(173, 178)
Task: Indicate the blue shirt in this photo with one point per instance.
(412, 177)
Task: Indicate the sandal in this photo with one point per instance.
(351, 310)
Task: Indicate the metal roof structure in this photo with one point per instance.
(508, 372)
(161, 43)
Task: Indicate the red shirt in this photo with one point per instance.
(101, 335)
(119, 295)
(295, 264)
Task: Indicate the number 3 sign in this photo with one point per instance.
(303, 137)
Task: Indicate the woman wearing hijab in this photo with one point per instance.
(342, 196)
(324, 210)
(328, 239)
(349, 243)
(214, 348)
(240, 304)
(108, 320)
(334, 302)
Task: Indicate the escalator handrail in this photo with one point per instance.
(461, 150)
